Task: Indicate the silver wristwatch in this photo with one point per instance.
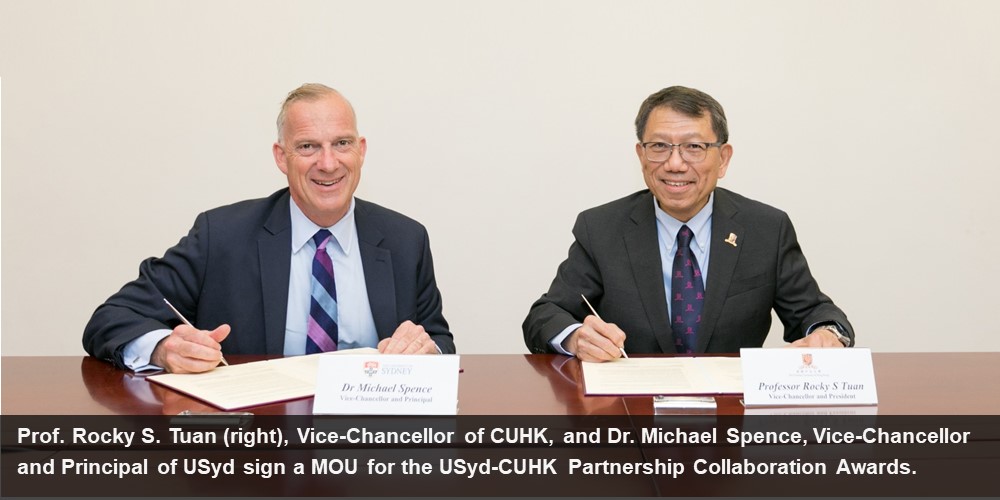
(833, 327)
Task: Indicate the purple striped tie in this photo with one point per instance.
(322, 334)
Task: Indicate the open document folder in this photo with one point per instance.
(252, 384)
(664, 376)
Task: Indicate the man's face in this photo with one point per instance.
(321, 154)
(682, 188)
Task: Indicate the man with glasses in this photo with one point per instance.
(308, 269)
(724, 261)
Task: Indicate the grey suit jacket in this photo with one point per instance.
(233, 267)
(615, 262)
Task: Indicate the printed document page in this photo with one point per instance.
(252, 384)
(664, 376)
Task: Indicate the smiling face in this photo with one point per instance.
(321, 154)
(682, 188)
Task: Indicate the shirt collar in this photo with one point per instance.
(303, 229)
(698, 224)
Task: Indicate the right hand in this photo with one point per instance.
(189, 350)
(596, 340)
(409, 338)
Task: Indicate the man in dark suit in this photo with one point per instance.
(246, 274)
(724, 260)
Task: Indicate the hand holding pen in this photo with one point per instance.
(188, 349)
(597, 340)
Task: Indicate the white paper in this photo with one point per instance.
(664, 376)
(252, 384)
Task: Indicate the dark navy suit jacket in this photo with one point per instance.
(615, 262)
(233, 267)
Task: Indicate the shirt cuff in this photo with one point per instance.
(136, 353)
(557, 341)
(841, 332)
(814, 326)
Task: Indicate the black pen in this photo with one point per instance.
(186, 322)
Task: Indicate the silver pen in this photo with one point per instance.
(186, 322)
(622, 349)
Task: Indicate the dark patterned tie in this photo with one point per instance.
(322, 333)
(688, 291)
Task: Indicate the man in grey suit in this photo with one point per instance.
(737, 260)
(309, 268)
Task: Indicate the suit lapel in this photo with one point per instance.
(643, 251)
(377, 264)
(274, 249)
(722, 264)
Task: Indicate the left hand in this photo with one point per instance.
(820, 337)
(409, 338)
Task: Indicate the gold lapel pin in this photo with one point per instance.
(731, 239)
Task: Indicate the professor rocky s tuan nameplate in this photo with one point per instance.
(387, 384)
(808, 377)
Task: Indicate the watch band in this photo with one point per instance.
(844, 339)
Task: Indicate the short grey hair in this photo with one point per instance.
(307, 92)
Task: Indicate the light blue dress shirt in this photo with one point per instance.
(356, 327)
(667, 228)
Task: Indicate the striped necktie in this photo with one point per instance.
(322, 335)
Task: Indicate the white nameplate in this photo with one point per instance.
(808, 377)
(387, 384)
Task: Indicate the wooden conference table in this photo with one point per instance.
(517, 388)
(491, 384)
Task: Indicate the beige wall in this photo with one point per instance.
(494, 123)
